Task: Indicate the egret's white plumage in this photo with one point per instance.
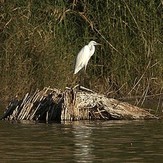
(84, 55)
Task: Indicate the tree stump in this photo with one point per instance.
(78, 103)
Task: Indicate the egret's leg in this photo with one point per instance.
(81, 82)
(85, 79)
(80, 78)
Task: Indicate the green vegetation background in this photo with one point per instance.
(39, 41)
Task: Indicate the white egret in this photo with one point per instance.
(84, 56)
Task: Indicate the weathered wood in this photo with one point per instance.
(76, 103)
(88, 105)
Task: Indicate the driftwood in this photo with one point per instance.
(76, 103)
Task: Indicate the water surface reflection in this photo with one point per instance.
(96, 141)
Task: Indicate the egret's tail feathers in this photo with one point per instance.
(76, 71)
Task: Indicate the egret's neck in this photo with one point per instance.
(92, 49)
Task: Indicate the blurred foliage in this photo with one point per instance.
(39, 41)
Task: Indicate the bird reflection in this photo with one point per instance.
(83, 144)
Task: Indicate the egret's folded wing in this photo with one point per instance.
(81, 59)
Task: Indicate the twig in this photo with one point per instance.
(140, 78)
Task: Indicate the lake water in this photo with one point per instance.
(85, 141)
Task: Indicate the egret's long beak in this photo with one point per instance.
(98, 44)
